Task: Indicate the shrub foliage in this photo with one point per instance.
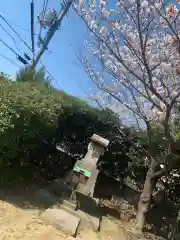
(34, 117)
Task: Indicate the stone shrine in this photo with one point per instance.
(76, 192)
(85, 172)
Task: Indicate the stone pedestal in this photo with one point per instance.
(96, 148)
(82, 180)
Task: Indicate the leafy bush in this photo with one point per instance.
(28, 115)
(33, 118)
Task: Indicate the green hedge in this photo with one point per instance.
(28, 115)
(34, 117)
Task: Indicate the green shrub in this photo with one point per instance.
(33, 118)
(28, 115)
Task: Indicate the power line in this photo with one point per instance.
(20, 27)
(15, 64)
(17, 34)
(72, 23)
(24, 29)
(51, 75)
(10, 60)
(42, 14)
(54, 27)
(45, 4)
(21, 59)
(10, 48)
(10, 36)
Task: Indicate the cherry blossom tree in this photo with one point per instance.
(133, 57)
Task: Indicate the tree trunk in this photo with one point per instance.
(145, 200)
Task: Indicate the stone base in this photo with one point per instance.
(63, 220)
(92, 221)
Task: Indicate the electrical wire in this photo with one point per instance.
(17, 34)
(45, 4)
(72, 23)
(21, 59)
(10, 36)
(16, 64)
(53, 78)
(10, 60)
(10, 48)
(24, 29)
(77, 40)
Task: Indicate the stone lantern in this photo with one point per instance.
(85, 171)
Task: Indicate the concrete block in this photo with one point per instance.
(63, 220)
(92, 221)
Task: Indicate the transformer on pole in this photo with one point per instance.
(51, 21)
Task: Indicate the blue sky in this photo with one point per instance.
(62, 63)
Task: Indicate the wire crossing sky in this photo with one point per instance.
(60, 59)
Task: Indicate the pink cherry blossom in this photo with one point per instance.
(136, 46)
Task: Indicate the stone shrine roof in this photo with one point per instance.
(100, 140)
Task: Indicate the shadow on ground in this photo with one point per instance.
(21, 196)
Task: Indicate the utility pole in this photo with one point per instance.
(52, 30)
(32, 27)
(32, 35)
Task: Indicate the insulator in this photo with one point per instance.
(27, 57)
(21, 59)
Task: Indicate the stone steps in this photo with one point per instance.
(60, 212)
(61, 219)
(86, 219)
